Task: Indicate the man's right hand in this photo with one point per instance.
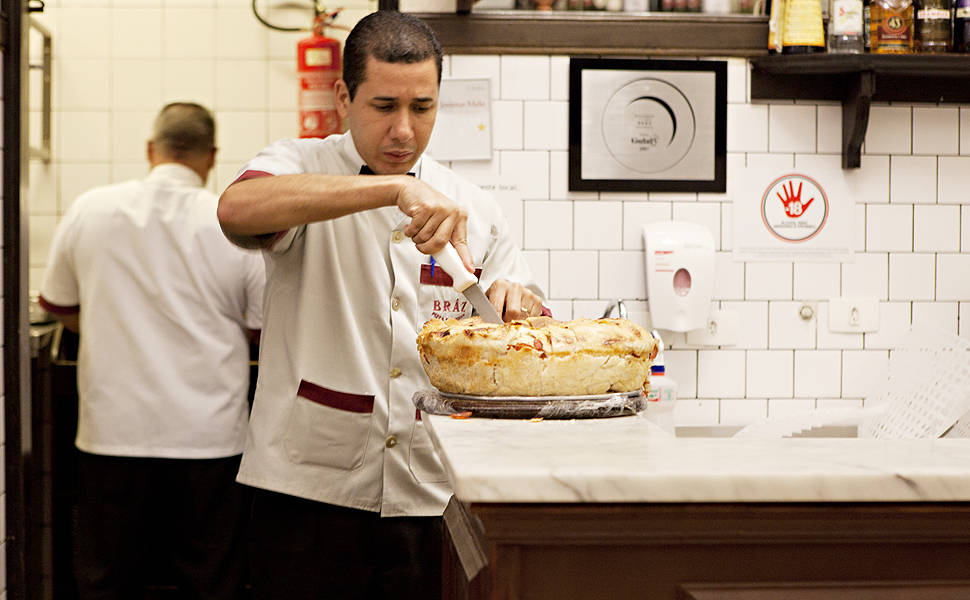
(436, 220)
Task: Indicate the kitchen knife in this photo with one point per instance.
(466, 283)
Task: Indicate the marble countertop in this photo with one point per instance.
(628, 459)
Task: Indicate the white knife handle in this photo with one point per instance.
(448, 259)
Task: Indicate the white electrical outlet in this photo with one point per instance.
(723, 328)
(853, 315)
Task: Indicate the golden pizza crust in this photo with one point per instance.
(538, 356)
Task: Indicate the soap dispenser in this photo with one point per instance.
(680, 274)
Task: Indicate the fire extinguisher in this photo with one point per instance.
(318, 68)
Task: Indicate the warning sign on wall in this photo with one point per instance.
(792, 216)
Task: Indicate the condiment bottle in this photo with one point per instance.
(933, 26)
(802, 32)
(845, 27)
(891, 26)
(961, 26)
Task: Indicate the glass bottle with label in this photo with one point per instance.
(845, 27)
(802, 31)
(891, 26)
(933, 26)
(961, 26)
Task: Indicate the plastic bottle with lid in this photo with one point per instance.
(661, 397)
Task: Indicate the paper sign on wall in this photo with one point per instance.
(508, 195)
(798, 215)
(463, 130)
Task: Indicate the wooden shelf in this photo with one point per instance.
(599, 33)
(858, 80)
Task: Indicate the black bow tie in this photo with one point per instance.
(365, 170)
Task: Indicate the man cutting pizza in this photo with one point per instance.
(349, 489)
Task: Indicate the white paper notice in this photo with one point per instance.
(797, 215)
(463, 130)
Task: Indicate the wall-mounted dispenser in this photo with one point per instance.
(680, 274)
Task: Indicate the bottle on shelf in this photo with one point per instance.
(802, 31)
(933, 33)
(865, 24)
(891, 26)
(961, 26)
(845, 27)
(776, 23)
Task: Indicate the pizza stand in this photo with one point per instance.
(618, 508)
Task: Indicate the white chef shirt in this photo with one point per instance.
(333, 419)
(165, 303)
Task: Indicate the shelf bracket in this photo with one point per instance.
(855, 117)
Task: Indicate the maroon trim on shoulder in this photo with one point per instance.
(439, 277)
(546, 312)
(417, 414)
(57, 309)
(252, 175)
(334, 399)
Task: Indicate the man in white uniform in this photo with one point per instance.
(350, 491)
(166, 309)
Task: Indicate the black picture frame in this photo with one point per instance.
(711, 152)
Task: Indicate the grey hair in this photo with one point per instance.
(184, 129)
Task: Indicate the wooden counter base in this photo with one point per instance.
(750, 551)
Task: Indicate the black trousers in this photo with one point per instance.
(130, 507)
(301, 549)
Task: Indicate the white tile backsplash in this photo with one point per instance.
(241, 84)
(559, 78)
(862, 371)
(478, 67)
(597, 225)
(867, 276)
(194, 80)
(189, 33)
(890, 130)
(525, 77)
(787, 328)
(936, 228)
(965, 228)
(889, 228)
(728, 277)
(791, 128)
(546, 125)
(574, 274)
(939, 315)
(895, 319)
(622, 274)
(769, 374)
(720, 373)
(638, 214)
(753, 317)
(817, 281)
(953, 276)
(767, 281)
(507, 124)
(954, 179)
(826, 339)
(935, 130)
(743, 411)
(548, 224)
(681, 366)
(829, 133)
(912, 179)
(706, 214)
(529, 169)
(818, 373)
(136, 32)
(911, 276)
(747, 128)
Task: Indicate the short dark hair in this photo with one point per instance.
(184, 129)
(389, 36)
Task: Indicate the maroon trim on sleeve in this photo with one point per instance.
(251, 175)
(340, 400)
(546, 312)
(417, 414)
(57, 309)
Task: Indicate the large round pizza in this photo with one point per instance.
(538, 356)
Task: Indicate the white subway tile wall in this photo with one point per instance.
(912, 192)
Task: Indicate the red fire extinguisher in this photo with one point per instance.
(318, 68)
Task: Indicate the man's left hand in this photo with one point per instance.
(513, 300)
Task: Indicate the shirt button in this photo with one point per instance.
(395, 373)
(397, 237)
(391, 441)
(395, 304)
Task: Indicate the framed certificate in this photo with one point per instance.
(647, 125)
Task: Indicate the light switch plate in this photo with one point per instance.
(723, 328)
(853, 315)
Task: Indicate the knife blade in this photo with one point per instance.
(466, 283)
